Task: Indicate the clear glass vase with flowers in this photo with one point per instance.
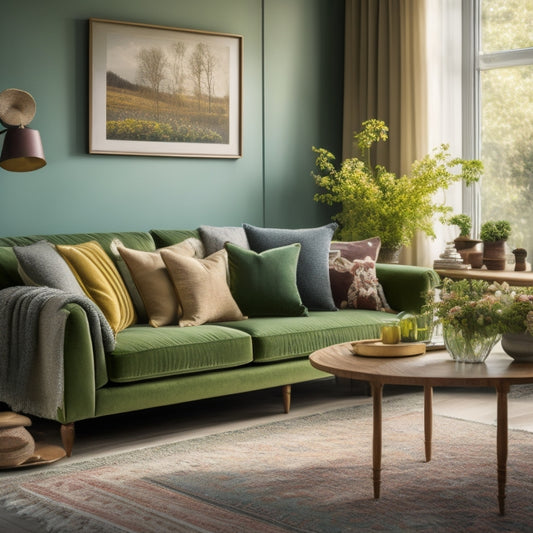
(474, 314)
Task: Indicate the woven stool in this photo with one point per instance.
(16, 443)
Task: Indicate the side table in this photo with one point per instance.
(513, 277)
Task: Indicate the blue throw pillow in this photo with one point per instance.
(313, 263)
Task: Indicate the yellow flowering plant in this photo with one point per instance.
(375, 202)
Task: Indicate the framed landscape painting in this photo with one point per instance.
(164, 91)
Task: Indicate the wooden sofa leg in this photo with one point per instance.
(67, 437)
(286, 391)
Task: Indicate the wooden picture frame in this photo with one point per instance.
(161, 91)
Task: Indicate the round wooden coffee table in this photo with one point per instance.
(429, 370)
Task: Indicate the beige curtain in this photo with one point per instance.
(385, 78)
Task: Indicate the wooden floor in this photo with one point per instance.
(120, 433)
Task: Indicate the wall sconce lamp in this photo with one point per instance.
(22, 150)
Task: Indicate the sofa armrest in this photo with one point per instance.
(84, 367)
(405, 286)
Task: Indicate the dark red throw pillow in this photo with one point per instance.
(358, 249)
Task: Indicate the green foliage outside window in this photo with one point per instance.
(507, 119)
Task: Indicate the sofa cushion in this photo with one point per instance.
(166, 237)
(9, 274)
(143, 352)
(264, 284)
(313, 268)
(214, 237)
(201, 287)
(40, 264)
(275, 339)
(140, 240)
(101, 281)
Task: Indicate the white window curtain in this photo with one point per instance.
(403, 66)
(445, 110)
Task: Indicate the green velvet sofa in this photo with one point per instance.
(152, 367)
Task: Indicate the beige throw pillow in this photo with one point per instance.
(202, 288)
(151, 278)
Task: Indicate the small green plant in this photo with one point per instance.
(495, 230)
(374, 202)
(464, 222)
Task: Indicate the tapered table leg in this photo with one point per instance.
(501, 444)
(428, 420)
(377, 396)
(67, 437)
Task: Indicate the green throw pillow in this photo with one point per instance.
(313, 268)
(264, 284)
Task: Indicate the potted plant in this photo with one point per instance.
(474, 313)
(463, 222)
(517, 322)
(375, 202)
(494, 234)
(464, 243)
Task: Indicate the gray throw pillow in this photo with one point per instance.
(313, 263)
(214, 237)
(40, 264)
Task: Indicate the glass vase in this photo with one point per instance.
(425, 326)
(468, 347)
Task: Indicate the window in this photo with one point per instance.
(502, 114)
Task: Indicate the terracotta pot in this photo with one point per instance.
(520, 255)
(472, 257)
(494, 255)
(465, 243)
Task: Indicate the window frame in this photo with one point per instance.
(474, 62)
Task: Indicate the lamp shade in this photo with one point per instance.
(22, 151)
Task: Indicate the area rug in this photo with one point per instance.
(309, 474)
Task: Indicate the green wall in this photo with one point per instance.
(292, 99)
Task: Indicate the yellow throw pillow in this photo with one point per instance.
(101, 281)
(202, 288)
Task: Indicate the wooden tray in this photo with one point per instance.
(375, 348)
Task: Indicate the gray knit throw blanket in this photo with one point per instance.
(32, 332)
